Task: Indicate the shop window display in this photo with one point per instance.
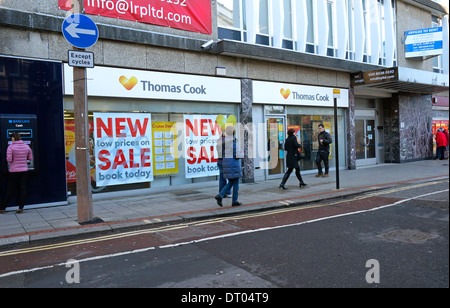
(306, 130)
(436, 125)
(168, 132)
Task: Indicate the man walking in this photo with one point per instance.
(325, 140)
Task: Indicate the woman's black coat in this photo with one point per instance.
(291, 146)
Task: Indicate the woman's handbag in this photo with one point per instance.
(299, 155)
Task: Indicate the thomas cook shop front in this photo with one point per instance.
(153, 130)
(281, 107)
(150, 129)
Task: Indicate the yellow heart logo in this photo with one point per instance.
(285, 93)
(128, 83)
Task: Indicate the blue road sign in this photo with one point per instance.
(80, 31)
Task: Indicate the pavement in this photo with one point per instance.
(144, 209)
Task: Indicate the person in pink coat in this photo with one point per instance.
(17, 155)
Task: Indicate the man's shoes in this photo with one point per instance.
(2, 211)
(318, 175)
(236, 203)
(19, 211)
(325, 175)
(219, 200)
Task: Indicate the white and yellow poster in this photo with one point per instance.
(165, 155)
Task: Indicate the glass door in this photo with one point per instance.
(365, 142)
(275, 145)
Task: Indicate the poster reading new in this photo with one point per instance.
(201, 135)
(123, 148)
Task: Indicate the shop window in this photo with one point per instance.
(231, 19)
(161, 178)
(437, 124)
(305, 121)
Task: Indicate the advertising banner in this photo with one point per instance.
(129, 83)
(201, 135)
(189, 15)
(123, 148)
(165, 149)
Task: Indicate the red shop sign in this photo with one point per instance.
(189, 15)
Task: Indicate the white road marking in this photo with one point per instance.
(219, 236)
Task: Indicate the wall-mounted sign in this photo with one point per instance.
(293, 94)
(377, 76)
(189, 15)
(128, 83)
(423, 42)
(80, 59)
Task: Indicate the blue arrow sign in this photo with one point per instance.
(80, 31)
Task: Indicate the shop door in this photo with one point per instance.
(275, 146)
(365, 142)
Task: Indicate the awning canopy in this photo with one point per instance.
(384, 82)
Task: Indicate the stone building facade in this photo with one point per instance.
(268, 46)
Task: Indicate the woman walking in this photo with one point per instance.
(17, 155)
(293, 156)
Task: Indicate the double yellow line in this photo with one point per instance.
(204, 222)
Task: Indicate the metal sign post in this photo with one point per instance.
(79, 31)
(336, 95)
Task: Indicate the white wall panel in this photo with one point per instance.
(278, 22)
(301, 24)
(360, 33)
(252, 13)
(342, 28)
(389, 33)
(322, 26)
(375, 38)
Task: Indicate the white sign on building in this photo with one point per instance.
(424, 42)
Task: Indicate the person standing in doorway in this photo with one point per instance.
(324, 140)
(441, 144)
(292, 158)
(17, 155)
(445, 132)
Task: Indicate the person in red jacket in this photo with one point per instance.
(441, 144)
(445, 131)
(17, 155)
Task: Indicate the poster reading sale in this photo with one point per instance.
(123, 148)
(201, 133)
